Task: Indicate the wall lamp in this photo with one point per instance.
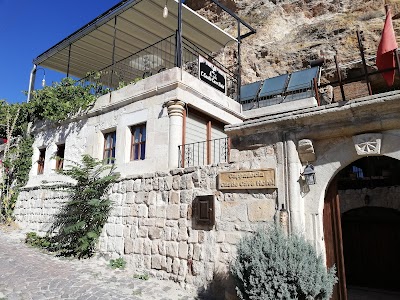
(309, 174)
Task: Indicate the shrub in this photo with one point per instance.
(118, 263)
(270, 265)
(78, 225)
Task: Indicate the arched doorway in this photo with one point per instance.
(362, 229)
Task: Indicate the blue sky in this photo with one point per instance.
(28, 28)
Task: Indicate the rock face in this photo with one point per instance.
(291, 33)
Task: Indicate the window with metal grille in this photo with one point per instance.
(42, 157)
(138, 142)
(60, 157)
(109, 147)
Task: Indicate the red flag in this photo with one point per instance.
(386, 48)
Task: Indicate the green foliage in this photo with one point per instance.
(118, 263)
(37, 241)
(78, 225)
(63, 100)
(54, 103)
(145, 276)
(270, 265)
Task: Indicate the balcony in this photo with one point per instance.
(204, 153)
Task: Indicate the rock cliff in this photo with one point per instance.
(290, 33)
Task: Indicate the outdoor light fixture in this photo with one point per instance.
(165, 11)
(309, 174)
(44, 76)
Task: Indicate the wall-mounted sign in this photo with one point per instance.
(250, 179)
(212, 75)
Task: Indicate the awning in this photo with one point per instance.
(139, 23)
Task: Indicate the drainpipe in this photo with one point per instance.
(31, 82)
(286, 178)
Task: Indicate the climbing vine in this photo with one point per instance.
(56, 103)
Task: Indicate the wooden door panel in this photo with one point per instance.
(333, 240)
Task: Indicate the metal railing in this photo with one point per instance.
(154, 59)
(204, 153)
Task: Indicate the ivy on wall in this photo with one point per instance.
(56, 103)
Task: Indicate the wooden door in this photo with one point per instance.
(333, 240)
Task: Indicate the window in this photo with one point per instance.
(42, 156)
(109, 147)
(60, 157)
(138, 144)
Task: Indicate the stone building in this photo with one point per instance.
(200, 170)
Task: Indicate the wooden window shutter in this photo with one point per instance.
(204, 210)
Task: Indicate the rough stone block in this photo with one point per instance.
(128, 246)
(143, 211)
(152, 198)
(152, 211)
(129, 185)
(196, 252)
(193, 236)
(184, 210)
(147, 247)
(201, 236)
(186, 196)
(261, 210)
(198, 268)
(155, 233)
(171, 249)
(143, 232)
(183, 269)
(137, 186)
(160, 222)
(232, 237)
(175, 266)
(173, 212)
(174, 197)
(156, 262)
(182, 234)
(161, 211)
(183, 250)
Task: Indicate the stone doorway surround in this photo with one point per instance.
(340, 153)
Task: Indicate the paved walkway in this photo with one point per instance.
(27, 273)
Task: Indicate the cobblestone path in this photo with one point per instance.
(27, 273)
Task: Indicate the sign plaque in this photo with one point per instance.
(212, 75)
(250, 179)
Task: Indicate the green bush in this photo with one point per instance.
(78, 225)
(270, 265)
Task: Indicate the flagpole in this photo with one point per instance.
(395, 52)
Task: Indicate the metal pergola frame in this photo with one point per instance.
(129, 26)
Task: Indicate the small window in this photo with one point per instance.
(60, 157)
(42, 157)
(138, 143)
(109, 147)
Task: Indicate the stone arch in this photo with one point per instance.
(328, 164)
(343, 153)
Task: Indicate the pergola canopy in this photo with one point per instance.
(127, 28)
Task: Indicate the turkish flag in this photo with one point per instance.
(386, 48)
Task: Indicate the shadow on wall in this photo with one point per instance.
(222, 287)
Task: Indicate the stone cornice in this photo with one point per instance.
(368, 114)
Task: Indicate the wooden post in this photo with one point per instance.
(340, 79)
(361, 47)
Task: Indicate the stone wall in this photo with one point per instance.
(151, 224)
(387, 197)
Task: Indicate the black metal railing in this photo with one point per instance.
(154, 59)
(204, 153)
